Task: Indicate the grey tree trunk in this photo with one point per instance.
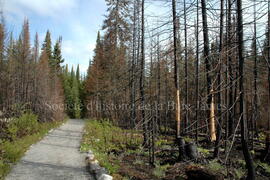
(145, 138)
(219, 129)
(247, 155)
(207, 63)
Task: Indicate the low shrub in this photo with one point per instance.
(107, 141)
(24, 131)
(26, 124)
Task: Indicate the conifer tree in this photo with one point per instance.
(23, 56)
(67, 90)
(75, 97)
(96, 77)
(2, 39)
(57, 58)
(47, 45)
(43, 90)
(72, 92)
(78, 73)
(10, 74)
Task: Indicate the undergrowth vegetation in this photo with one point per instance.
(108, 141)
(22, 126)
(121, 153)
(21, 132)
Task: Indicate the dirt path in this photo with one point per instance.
(56, 157)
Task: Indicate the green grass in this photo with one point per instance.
(241, 163)
(239, 173)
(188, 139)
(203, 151)
(160, 170)
(265, 166)
(106, 140)
(161, 142)
(12, 151)
(214, 165)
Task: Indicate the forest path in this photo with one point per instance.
(55, 157)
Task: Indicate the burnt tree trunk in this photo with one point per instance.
(207, 64)
(145, 138)
(255, 74)
(219, 130)
(267, 143)
(176, 81)
(186, 71)
(197, 73)
(132, 83)
(247, 155)
(230, 74)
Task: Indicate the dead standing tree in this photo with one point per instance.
(219, 130)
(176, 83)
(197, 74)
(186, 70)
(142, 74)
(247, 155)
(208, 69)
(133, 67)
(267, 140)
(255, 74)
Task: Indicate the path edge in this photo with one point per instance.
(93, 167)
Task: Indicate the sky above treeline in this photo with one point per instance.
(77, 21)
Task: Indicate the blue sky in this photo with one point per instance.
(77, 21)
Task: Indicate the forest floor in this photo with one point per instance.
(55, 157)
(121, 153)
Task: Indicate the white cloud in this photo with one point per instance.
(79, 29)
(77, 21)
(51, 8)
(77, 53)
(67, 47)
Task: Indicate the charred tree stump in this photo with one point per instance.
(191, 151)
(182, 152)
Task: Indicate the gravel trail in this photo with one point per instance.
(55, 157)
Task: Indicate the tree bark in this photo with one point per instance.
(186, 71)
(176, 73)
(176, 82)
(207, 65)
(267, 140)
(230, 74)
(219, 129)
(132, 88)
(255, 74)
(145, 138)
(247, 155)
(197, 74)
